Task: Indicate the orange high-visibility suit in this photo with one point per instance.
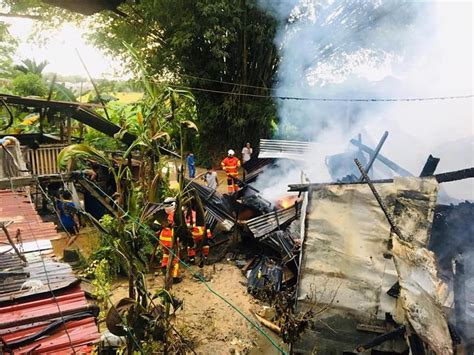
(198, 234)
(166, 242)
(231, 166)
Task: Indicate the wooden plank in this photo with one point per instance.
(30, 180)
(99, 198)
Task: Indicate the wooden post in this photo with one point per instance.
(69, 129)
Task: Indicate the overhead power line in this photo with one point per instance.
(329, 99)
(228, 82)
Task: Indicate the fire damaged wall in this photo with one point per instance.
(351, 260)
(452, 240)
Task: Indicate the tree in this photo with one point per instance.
(29, 85)
(221, 49)
(213, 46)
(7, 49)
(31, 66)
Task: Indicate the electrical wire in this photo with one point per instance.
(228, 82)
(328, 99)
(195, 274)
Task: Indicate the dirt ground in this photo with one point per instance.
(212, 325)
(205, 319)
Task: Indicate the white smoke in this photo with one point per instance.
(375, 49)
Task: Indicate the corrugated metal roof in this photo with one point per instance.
(12, 286)
(274, 148)
(20, 321)
(214, 203)
(267, 223)
(344, 268)
(17, 207)
(37, 325)
(255, 167)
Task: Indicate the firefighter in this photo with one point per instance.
(166, 239)
(231, 165)
(200, 236)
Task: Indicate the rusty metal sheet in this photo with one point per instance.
(18, 207)
(27, 318)
(21, 280)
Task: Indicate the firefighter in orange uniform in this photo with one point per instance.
(166, 239)
(200, 235)
(231, 165)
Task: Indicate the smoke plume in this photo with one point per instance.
(374, 49)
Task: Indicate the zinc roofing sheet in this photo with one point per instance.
(18, 207)
(22, 320)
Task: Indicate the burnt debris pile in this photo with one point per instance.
(356, 265)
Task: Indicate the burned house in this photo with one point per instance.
(364, 279)
(369, 262)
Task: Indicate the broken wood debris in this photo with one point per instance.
(267, 223)
(450, 176)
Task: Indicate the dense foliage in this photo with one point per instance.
(7, 48)
(29, 84)
(204, 44)
(212, 46)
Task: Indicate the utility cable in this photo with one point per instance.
(328, 99)
(228, 82)
(195, 274)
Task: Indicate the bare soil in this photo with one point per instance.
(212, 325)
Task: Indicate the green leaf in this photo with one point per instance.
(80, 151)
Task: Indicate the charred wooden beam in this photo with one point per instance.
(455, 175)
(443, 177)
(394, 334)
(430, 166)
(392, 165)
(375, 154)
(460, 302)
(382, 205)
(307, 187)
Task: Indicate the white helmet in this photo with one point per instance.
(170, 205)
(230, 152)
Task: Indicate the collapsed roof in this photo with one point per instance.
(352, 262)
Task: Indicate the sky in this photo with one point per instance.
(60, 50)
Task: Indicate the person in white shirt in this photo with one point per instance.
(246, 153)
(210, 177)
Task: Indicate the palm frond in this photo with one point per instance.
(80, 151)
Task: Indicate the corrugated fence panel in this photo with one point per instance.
(42, 161)
(273, 148)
